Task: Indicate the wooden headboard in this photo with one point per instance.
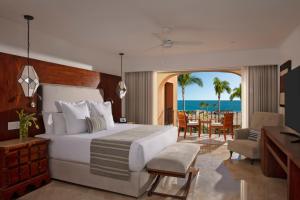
(12, 97)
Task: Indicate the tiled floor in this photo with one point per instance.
(219, 179)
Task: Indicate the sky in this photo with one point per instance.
(207, 92)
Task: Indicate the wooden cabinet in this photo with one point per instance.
(23, 166)
(281, 159)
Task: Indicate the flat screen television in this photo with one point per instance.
(292, 99)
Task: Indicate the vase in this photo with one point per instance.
(23, 131)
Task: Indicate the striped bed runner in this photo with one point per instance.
(110, 154)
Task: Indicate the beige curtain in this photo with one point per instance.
(139, 97)
(263, 89)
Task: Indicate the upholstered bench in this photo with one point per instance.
(176, 160)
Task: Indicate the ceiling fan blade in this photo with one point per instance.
(152, 48)
(188, 43)
(159, 36)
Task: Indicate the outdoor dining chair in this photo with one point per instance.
(185, 124)
(225, 127)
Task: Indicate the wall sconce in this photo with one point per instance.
(29, 80)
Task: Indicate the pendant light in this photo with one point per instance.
(121, 87)
(29, 80)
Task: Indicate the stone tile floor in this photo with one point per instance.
(219, 179)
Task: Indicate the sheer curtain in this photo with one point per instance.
(262, 89)
(139, 97)
(244, 98)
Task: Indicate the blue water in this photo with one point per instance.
(226, 105)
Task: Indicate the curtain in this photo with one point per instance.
(244, 98)
(263, 89)
(139, 97)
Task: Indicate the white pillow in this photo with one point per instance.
(59, 107)
(99, 108)
(75, 115)
(59, 124)
(48, 122)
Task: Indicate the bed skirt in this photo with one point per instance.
(79, 173)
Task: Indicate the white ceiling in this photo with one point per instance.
(106, 27)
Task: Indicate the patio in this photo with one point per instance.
(209, 122)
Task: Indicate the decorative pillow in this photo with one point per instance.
(59, 123)
(104, 109)
(48, 122)
(92, 105)
(58, 104)
(95, 124)
(75, 115)
(254, 135)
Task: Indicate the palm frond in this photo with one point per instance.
(237, 93)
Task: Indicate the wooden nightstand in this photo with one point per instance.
(23, 166)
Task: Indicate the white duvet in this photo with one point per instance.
(76, 148)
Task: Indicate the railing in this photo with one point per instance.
(215, 116)
(167, 116)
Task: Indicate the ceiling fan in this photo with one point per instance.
(167, 42)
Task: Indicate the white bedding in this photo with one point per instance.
(77, 147)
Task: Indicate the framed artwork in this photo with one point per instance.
(284, 69)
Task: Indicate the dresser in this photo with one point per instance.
(280, 158)
(23, 166)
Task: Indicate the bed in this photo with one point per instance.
(70, 154)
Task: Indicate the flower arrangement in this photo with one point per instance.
(26, 121)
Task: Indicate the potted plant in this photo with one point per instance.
(26, 120)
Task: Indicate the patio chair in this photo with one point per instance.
(247, 146)
(185, 124)
(225, 127)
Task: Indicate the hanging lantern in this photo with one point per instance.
(29, 79)
(121, 87)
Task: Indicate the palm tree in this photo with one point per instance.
(185, 80)
(204, 105)
(237, 93)
(220, 87)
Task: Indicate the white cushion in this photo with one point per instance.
(193, 123)
(48, 122)
(75, 115)
(58, 104)
(59, 123)
(216, 124)
(175, 158)
(104, 109)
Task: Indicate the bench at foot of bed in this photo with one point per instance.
(177, 161)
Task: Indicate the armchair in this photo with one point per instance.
(249, 148)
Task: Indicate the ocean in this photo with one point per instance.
(226, 105)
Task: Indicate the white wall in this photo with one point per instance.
(230, 59)
(290, 48)
(43, 57)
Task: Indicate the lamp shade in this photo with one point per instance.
(29, 80)
(121, 89)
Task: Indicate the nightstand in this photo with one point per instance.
(23, 166)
